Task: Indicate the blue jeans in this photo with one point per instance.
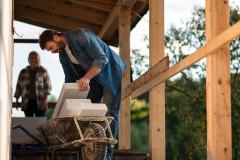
(113, 105)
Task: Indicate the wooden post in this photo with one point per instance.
(6, 60)
(219, 145)
(157, 94)
(125, 110)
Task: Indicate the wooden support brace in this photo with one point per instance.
(223, 38)
(154, 71)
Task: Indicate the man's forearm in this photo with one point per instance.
(85, 80)
(92, 73)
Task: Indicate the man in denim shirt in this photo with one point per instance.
(85, 57)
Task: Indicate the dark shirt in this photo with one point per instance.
(32, 80)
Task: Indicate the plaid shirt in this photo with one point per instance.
(42, 86)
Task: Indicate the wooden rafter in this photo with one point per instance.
(114, 14)
(92, 14)
(45, 19)
(67, 10)
(135, 16)
(106, 5)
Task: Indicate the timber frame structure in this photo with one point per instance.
(216, 51)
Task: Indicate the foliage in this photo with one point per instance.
(52, 98)
(139, 63)
(185, 96)
(185, 119)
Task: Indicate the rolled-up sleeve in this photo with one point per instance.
(88, 41)
(100, 63)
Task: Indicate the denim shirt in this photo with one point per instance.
(91, 51)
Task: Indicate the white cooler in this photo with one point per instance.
(82, 107)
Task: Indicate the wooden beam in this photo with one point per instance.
(208, 49)
(105, 5)
(67, 10)
(136, 11)
(125, 109)
(218, 84)
(152, 72)
(26, 40)
(114, 14)
(157, 93)
(53, 21)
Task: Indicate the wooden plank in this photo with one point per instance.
(152, 72)
(67, 10)
(26, 40)
(218, 95)
(208, 49)
(130, 155)
(114, 14)
(46, 19)
(18, 136)
(157, 93)
(125, 109)
(105, 5)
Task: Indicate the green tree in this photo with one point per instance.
(191, 37)
(185, 95)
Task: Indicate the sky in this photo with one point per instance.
(176, 12)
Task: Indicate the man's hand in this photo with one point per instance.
(83, 84)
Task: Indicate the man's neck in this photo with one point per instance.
(64, 40)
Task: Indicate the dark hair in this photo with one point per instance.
(47, 36)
